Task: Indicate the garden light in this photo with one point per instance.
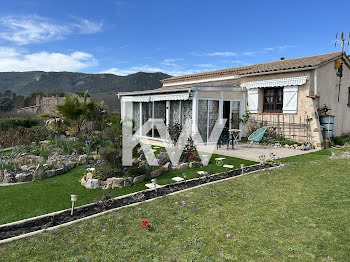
(242, 167)
(185, 176)
(154, 182)
(73, 198)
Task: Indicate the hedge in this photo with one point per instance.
(8, 123)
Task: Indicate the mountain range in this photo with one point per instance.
(103, 86)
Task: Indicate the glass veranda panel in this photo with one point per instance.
(203, 119)
(136, 115)
(213, 114)
(159, 113)
(175, 117)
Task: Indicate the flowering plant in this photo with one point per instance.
(145, 223)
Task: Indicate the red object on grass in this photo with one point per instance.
(145, 223)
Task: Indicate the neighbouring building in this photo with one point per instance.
(43, 105)
(285, 94)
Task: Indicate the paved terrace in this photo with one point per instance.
(243, 151)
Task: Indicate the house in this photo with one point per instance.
(286, 95)
(43, 105)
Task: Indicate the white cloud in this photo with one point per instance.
(204, 65)
(222, 54)
(15, 60)
(28, 29)
(88, 27)
(171, 61)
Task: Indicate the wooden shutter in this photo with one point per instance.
(253, 99)
(290, 99)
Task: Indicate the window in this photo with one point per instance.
(273, 100)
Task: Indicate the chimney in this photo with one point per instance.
(282, 58)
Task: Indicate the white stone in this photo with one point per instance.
(219, 158)
(93, 183)
(152, 186)
(228, 166)
(177, 179)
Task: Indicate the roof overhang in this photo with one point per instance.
(159, 97)
(155, 91)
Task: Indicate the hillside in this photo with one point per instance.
(104, 86)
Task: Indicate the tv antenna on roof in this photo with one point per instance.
(343, 41)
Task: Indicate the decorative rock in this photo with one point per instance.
(59, 171)
(108, 186)
(32, 168)
(24, 177)
(8, 178)
(39, 172)
(183, 166)
(83, 182)
(70, 165)
(24, 167)
(117, 182)
(89, 175)
(163, 158)
(50, 173)
(128, 182)
(139, 179)
(161, 170)
(167, 166)
(195, 164)
(82, 159)
(93, 183)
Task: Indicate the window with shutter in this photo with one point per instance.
(290, 99)
(253, 99)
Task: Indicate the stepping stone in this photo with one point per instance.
(152, 186)
(219, 158)
(177, 179)
(201, 173)
(228, 166)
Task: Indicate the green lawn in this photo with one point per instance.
(299, 212)
(52, 194)
(317, 155)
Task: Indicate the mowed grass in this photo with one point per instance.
(317, 155)
(299, 212)
(53, 194)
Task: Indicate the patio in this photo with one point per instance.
(243, 151)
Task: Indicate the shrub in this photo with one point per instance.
(23, 136)
(13, 123)
(341, 140)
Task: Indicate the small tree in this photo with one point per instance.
(77, 109)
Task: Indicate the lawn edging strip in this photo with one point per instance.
(35, 225)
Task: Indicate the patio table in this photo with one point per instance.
(234, 135)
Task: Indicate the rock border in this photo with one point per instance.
(29, 226)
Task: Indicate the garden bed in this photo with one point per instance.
(62, 217)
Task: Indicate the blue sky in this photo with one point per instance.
(175, 37)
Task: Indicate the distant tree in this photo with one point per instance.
(6, 104)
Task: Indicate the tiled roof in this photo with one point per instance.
(287, 64)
